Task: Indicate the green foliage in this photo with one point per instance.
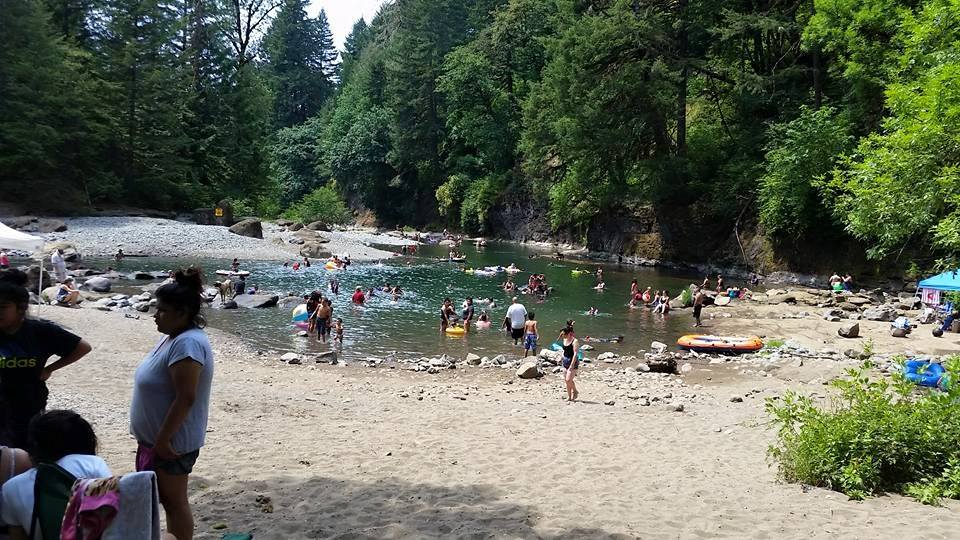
(901, 184)
(294, 158)
(773, 343)
(322, 204)
(877, 435)
(686, 297)
(800, 153)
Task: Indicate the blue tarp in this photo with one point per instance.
(947, 281)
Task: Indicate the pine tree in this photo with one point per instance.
(298, 64)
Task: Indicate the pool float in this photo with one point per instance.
(456, 331)
(925, 373)
(332, 266)
(557, 346)
(240, 273)
(483, 324)
(579, 272)
(729, 344)
(484, 273)
(513, 270)
(300, 313)
(468, 270)
(303, 325)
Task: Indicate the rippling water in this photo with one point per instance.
(410, 326)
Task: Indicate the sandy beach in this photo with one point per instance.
(319, 451)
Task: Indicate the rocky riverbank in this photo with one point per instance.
(155, 237)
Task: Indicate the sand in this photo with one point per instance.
(318, 451)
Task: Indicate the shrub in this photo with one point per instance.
(322, 204)
(877, 435)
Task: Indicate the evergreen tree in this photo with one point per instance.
(298, 63)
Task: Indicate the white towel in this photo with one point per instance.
(139, 516)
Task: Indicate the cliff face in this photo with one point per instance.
(685, 235)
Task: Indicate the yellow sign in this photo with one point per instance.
(218, 212)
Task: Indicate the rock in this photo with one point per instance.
(248, 227)
(686, 368)
(899, 332)
(472, 359)
(610, 402)
(327, 356)
(143, 297)
(140, 275)
(586, 347)
(32, 224)
(303, 333)
(736, 399)
(662, 364)
(785, 298)
(142, 307)
(850, 330)
(256, 300)
(49, 295)
(314, 250)
(858, 300)
(642, 368)
(98, 284)
(832, 314)
(674, 407)
(851, 353)
(294, 227)
(290, 357)
(529, 370)
(880, 313)
(440, 362)
(35, 277)
(553, 357)
(658, 347)
(229, 304)
(500, 359)
(318, 226)
(847, 306)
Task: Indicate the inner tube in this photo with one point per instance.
(239, 273)
(483, 324)
(456, 331)
(579, 272)
(704, 343)
(331, 266)
(303, 325)
(924, 373)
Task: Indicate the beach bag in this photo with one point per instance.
(51, 492)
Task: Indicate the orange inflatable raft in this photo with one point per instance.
(702, 343)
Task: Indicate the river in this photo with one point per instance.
(410, 326)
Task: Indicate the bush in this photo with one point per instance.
(877, 436)
(322, 204)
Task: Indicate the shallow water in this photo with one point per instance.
(410, 326)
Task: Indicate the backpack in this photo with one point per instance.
(51, 493)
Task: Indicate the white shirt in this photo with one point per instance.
(18, 491)
(517, 314)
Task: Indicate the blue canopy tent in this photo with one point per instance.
(947, 281)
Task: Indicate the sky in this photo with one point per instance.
(343, 13)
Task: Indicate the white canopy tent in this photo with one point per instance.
(13, 239)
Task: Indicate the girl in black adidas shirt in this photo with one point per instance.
(25, 346)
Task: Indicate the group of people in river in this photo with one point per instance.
(168, 411)
(658, 301)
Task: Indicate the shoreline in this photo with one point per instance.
(311, 450)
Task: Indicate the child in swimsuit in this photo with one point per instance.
(530, 335)
(338, 328)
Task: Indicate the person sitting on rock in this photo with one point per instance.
(66, 294)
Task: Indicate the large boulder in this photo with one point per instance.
(248, 227)
(529, 370)
(880, 313)
(221, 215)
(318, 226)
(32, 224)
(294, 227)
(97, 284)
(37, 279)
(310, 236)
(315, 250)
(851, 330)
(49, 295)
(256, 300)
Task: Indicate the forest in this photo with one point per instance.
(812, 121)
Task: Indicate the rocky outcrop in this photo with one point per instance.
(248, 227)
(30, 224)
(98, 284)
(256, 300)
(315, 250)
(318, 226)
(208, 216)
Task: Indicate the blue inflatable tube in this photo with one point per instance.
(924, 373)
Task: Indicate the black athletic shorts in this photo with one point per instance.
(516, 333)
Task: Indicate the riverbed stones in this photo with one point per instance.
(472, 359)
(529, 370)
(142, 307)
(736, 399)
(499, 360)
(290, 357)
(249, 227)
(318, 226)
(850, 330)
(658, 347)
(880, 313)
(329, 357)
(256, 300)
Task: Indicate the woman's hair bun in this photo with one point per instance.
(14, 276)
(190, 277)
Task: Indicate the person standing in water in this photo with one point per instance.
(335, 286)
(530, 335)
(570, 346)
(25, 346)
(517, 318)
(59, 265)
(719, 284)
(446, 310)
(634, 288)
(467, 314)
(697, 307)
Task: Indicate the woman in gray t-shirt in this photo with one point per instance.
(171, 397)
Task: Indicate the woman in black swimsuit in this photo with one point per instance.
(570, 346)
